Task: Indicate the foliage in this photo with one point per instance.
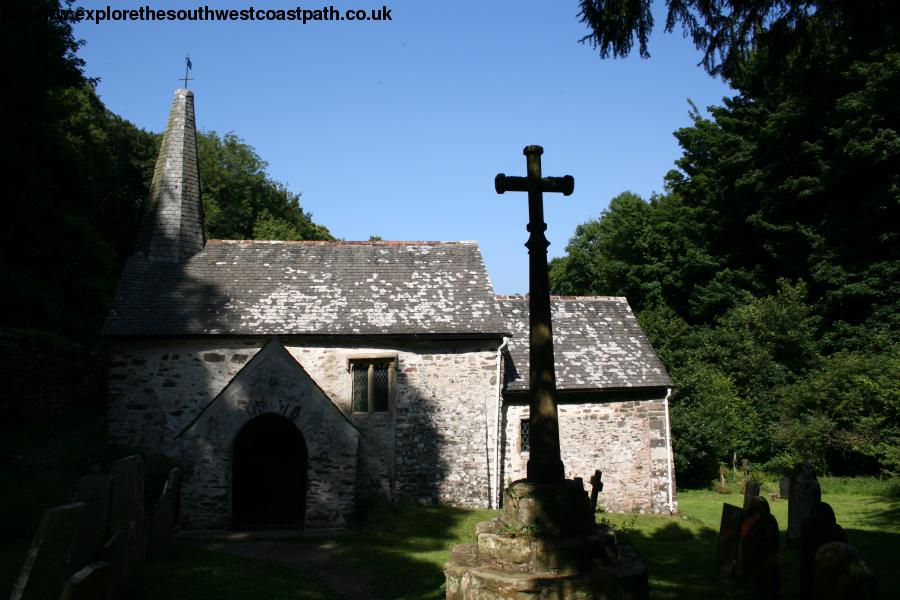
(782, 32)
(767, 274)
(240, 201)
(710, 420)
(845, 416)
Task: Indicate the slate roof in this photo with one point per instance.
(597, 344)
(309, 288)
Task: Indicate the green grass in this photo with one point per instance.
(199, 574)
(679, 551)
(408, 546)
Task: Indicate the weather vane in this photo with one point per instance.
(187, 70)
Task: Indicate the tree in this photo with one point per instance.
(783, 33)
(767, 275)
(845, 415)
(240, 201)
(651, 252)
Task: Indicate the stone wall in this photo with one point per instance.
(436, 444)
(621, 434)
(158, 388)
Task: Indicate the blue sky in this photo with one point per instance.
(397, 128)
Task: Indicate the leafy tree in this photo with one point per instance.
(74, 177)
(651, 252)
(710, 420)
(240, 201)
(845, 415)
(767, 275)
(781, 32)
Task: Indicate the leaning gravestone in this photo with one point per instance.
(173, 483)
(759, 549)
(805, 494)
(842, 573)
(818, 529)
(55, 553)
(784, 488)
(729, 538)
(93, 491)
(596, 487)
(115, 554)
(87, 584)
(162, 526)
(126, 510)
(751, 490)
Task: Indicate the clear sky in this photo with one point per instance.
(397, 128)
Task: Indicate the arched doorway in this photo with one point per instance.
(269, 475)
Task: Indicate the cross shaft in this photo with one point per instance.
(544, 463)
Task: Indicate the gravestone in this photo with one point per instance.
(596, 487)
(759, 549)
(115, 554)
(173, 483)
(87, 584)
(162, 526)
(126, 510)
(93, 491)
(841, 573)
(729, 540)
(818, 529)
(805, 493)
(56, 552)
(751, 490)
(784, 488)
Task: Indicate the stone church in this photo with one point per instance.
(292, 381)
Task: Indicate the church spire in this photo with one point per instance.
(172, 229)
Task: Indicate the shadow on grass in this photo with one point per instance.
(679, 557)
(193, 573)
(407, 547)
(883, 513)
(679, 554)
(880, 549)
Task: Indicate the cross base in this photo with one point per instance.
(545, 544)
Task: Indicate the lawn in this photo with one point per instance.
(679, 550)
(407, 546)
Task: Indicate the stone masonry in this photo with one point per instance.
(622, 436)
(173, 227)
(430, 447)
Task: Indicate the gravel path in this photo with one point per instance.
(344, 577)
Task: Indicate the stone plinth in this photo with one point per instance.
(545, 544)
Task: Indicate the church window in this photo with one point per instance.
(371, 385)
(524, 436)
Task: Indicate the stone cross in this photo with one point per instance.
(596, 486)
(544, 464)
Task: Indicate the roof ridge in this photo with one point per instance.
(565, 298)
(349, 242)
